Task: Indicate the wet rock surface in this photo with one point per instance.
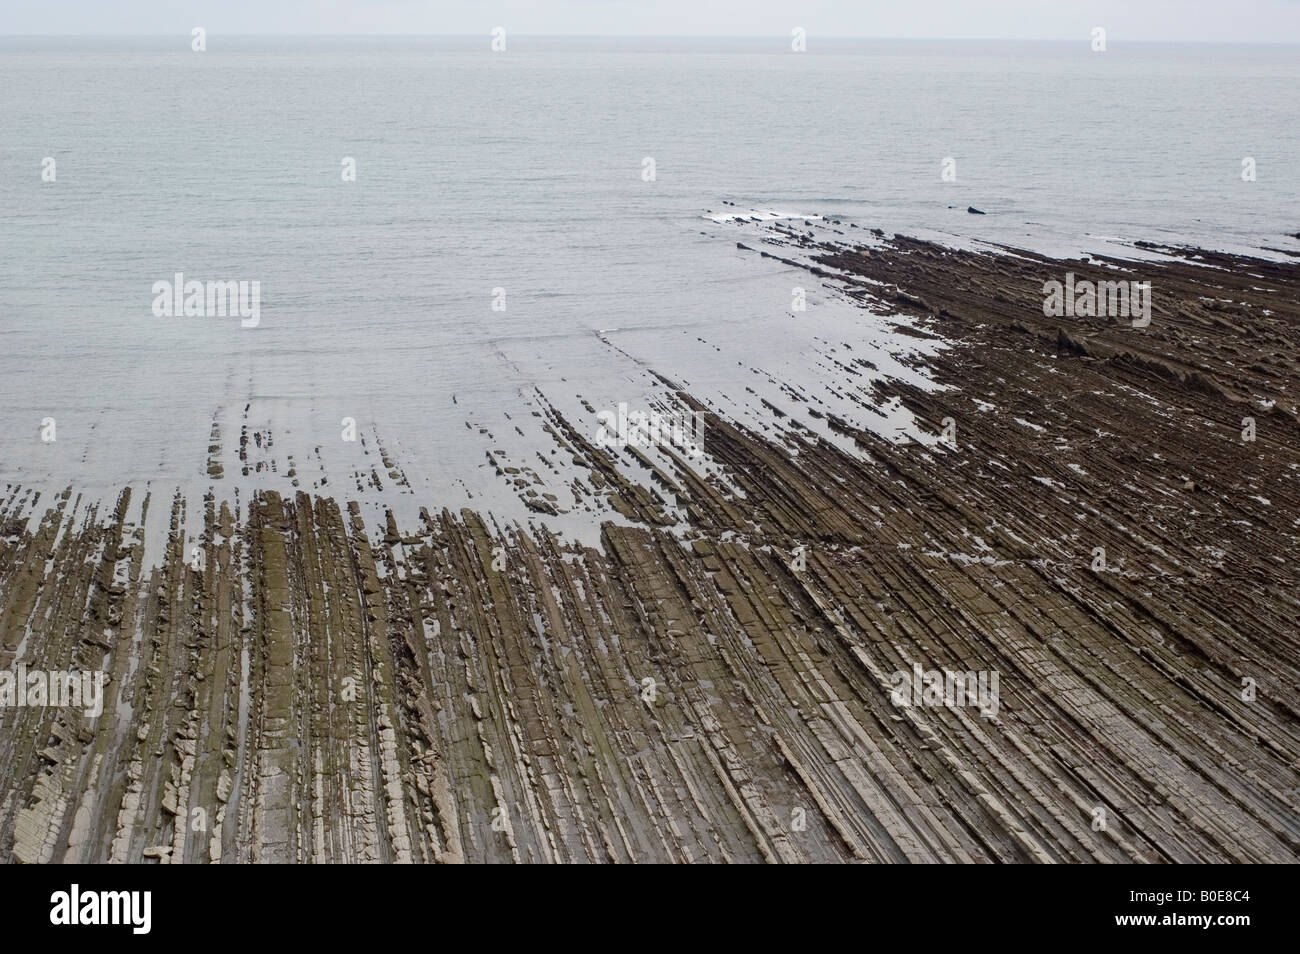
(1091, 522)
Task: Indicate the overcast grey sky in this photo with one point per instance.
(1133, 20)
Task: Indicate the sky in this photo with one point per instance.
(1124, 20)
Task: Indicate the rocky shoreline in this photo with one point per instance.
(1092, 524)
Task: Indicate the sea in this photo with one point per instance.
(455, 247)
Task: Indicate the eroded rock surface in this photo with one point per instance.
(719, 688)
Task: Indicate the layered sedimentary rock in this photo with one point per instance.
(1095, 522)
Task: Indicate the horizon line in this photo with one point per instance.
(1081, 38)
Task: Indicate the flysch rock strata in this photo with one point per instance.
(307, 690)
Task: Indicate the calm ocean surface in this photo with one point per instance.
(523, 171)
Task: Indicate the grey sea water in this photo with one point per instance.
(522, 171)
